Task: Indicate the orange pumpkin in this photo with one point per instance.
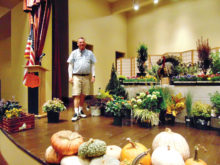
(196, 160)
(66, 142)
(131, 150)
(51, 156)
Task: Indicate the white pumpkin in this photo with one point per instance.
(174, 140)
(74, 160)
(51, 156)
(165, 155)
(104, 160)
(113, 151)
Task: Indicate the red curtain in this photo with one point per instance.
(40, 14)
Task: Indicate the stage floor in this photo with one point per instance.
(38, 139)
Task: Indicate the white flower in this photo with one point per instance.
(153, 97)
(142, 95)
(139, 101)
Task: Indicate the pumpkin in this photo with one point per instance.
(105, 160)
(131, 150)
(70, 160)
(174, 140)
(51, 156)
(92, 148)
(113, 151)
(166, 155)
(196, 160)
(66, 142)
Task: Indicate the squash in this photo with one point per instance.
(51, 156)
(131, 150)
(166, 155)
(70, 160)
(174, 140)
(196, 160)
(113, 151)
(92, 148)
(105, 160)
(66, 142)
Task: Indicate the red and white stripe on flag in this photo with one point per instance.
(29, 54)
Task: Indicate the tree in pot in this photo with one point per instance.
(53, 109)
(120, 108)
(141, 58)
(188, 102)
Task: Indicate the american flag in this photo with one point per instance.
(29, 53)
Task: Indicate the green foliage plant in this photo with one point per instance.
(215, 67)
(119, 107)
(215, 99)
(188, 102)
(114, 86)
(200, 109)
(141, 58)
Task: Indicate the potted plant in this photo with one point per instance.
(203, 54)
(146, 118)
(53, 109)
(141, 58)
(201, 113)
(7, 105)
(215, 100)
(188, 102)
(120, 108)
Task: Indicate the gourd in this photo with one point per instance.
(165, 155)
(131, 150)
(74, 160)
(51, 156)
(105, 160)
(92, 148)
(113, 151)
(174, 140)
(66, 142)
(196, 160)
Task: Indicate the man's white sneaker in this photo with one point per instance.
(75, 117)
(81, 114)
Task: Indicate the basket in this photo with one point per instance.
(24, 122)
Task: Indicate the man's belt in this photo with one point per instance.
(81, 74)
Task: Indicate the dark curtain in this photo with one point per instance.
(60, 49)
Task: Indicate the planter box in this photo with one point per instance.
(202, 122)
(26, 121)
(184, 82)
(215, 122)
(95, 111)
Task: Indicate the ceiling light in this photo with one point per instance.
(156, 1)
(135, 4)
(136, 7)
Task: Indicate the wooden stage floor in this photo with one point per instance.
(38, 139)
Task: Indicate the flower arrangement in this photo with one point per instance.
(119, 107)
(8, 106)
(177, 105)
(13, 113)
(201, 77)
(55, 105)
(141, 79)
